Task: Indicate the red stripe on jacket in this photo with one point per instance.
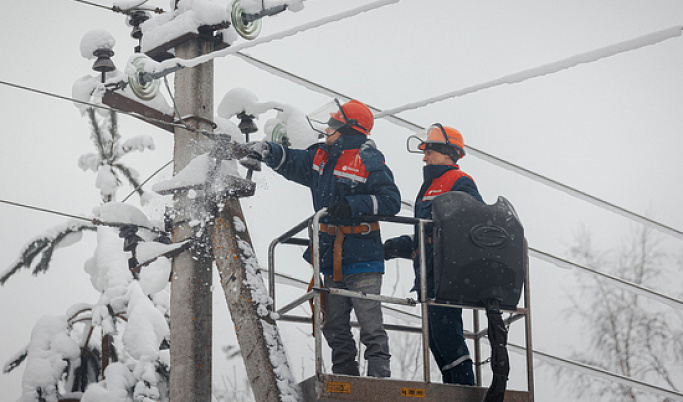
(443, 184)
(349, 165)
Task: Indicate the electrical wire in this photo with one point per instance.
(472, 150)
(550, 68)
(94, 221)
(175, 106)
(178, 62)
(627, 285)
(623, 380)
(122, 10)
(50, 211)
(146, 180)
(633, 287)
(390, 114)
(95, 105)
(406, 124)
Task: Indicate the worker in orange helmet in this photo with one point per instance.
(347, 175)
(442, 147)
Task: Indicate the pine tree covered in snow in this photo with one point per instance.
(106, 162)
(116, 349)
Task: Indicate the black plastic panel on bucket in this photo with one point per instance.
(479, 251)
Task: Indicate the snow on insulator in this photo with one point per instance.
(96, 39)
(235, 101)
(128, 4)
(289, 32)
(123, 214)
(550, 68)
(289, 119)
(187, 17)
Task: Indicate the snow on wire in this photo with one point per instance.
(550, 68)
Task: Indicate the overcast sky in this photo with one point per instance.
(612, 128)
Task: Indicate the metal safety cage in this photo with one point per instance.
(312, 225)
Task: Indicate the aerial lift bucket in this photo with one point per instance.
(479, 251)
(479, 261)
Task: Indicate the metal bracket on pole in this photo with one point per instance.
(163, 51)
(146, 113)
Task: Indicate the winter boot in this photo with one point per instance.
(350, 368)
(379, 368)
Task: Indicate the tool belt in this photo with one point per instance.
(416, 252)
(339, 232)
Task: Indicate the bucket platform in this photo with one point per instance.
(330, 387)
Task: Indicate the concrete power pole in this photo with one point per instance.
(245, 293)
(191, 327)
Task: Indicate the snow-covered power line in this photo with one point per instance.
(629, 286)
(473, 151)
(175, 62)
(549, 68)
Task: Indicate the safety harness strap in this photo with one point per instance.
(339, 232)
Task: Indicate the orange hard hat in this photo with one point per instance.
(443, 135)
(353, 114)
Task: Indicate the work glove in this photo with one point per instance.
(391, 249)
(340, 209)
(255, 149)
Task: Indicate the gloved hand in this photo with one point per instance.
(340, 209)
(391, 249)
(254, 149)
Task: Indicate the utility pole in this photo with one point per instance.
(191, 327)
(223, 238)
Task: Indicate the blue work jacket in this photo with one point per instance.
(438, 179)
(351, 168)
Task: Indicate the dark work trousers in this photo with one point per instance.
(337, 327)
(447, 343)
